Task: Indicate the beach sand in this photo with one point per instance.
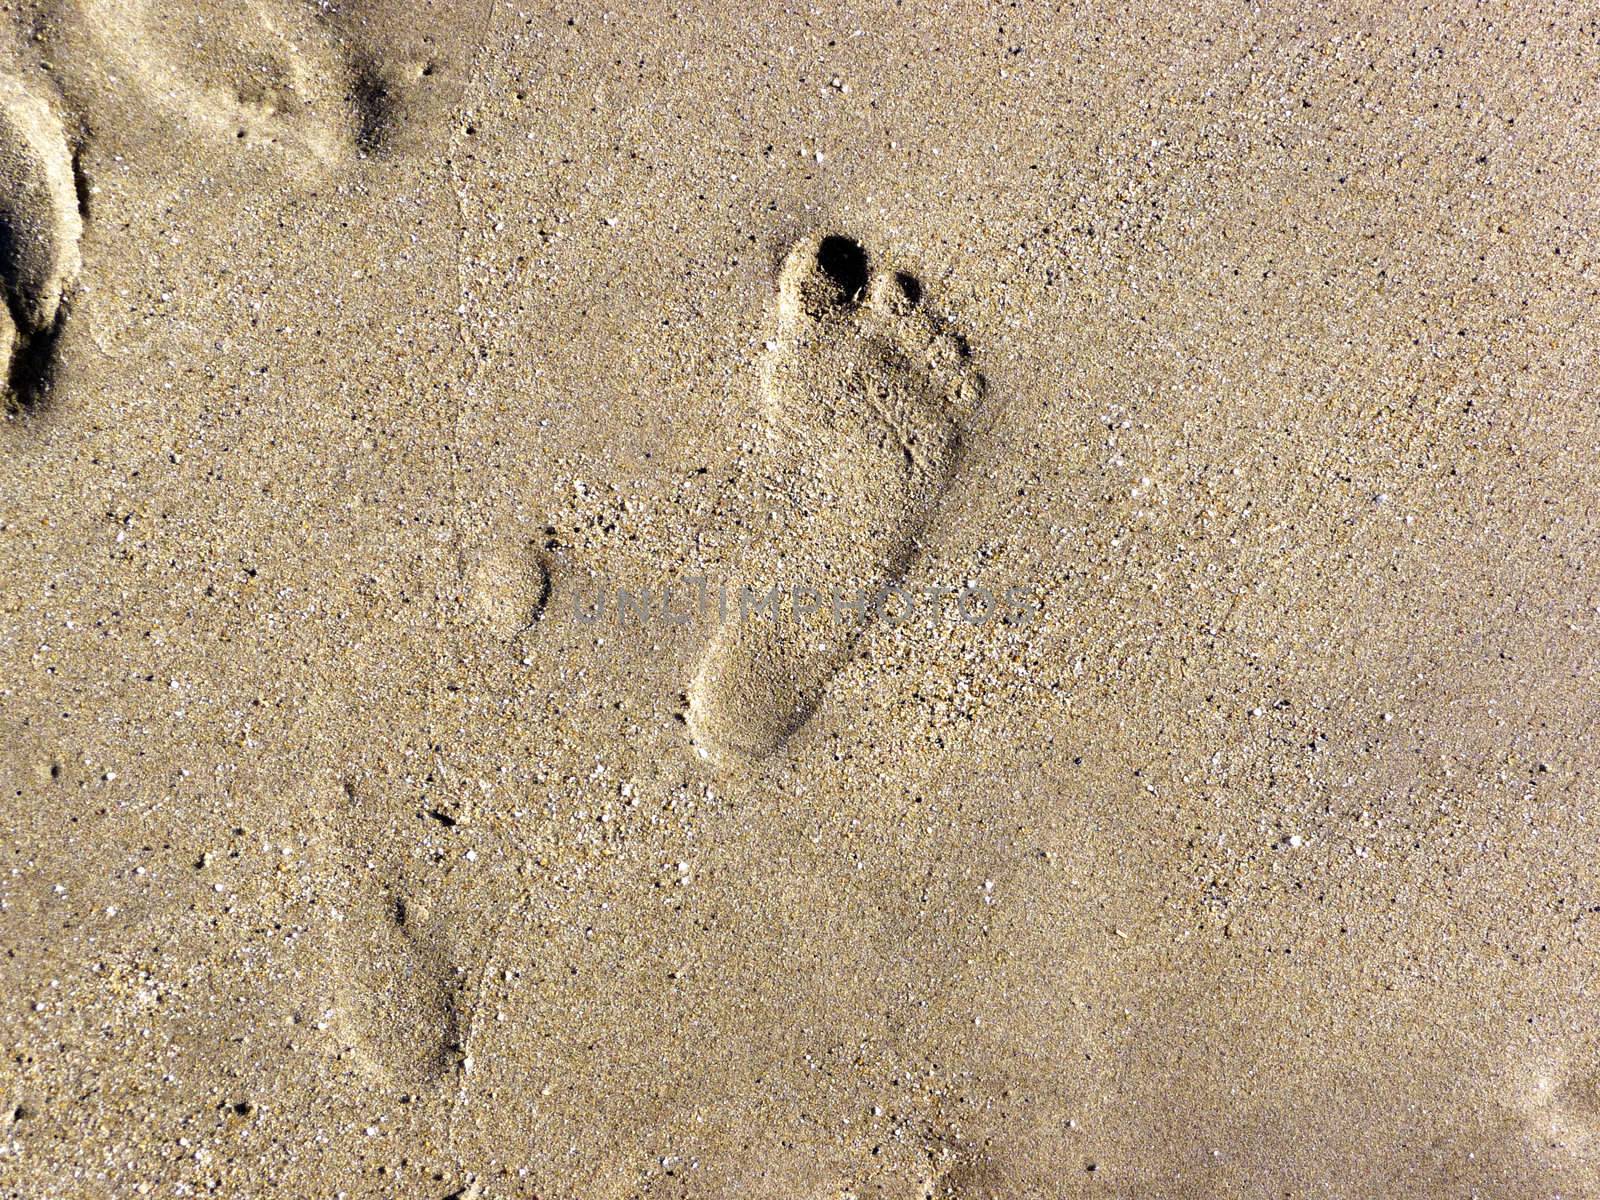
(1212, 816)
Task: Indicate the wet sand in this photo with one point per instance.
(1241, 847)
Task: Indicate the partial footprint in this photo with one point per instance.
(40, 228)
(507, 587)
(248, 72)
(868, 398)
(320, 83)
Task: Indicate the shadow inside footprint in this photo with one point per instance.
(843, 261)
(868, 397)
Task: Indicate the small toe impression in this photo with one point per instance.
(897, 292)
(830, 274)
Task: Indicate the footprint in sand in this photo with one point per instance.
(868, 397)
(397, 996)
(250, 73)
(321, 84)
(40, 227)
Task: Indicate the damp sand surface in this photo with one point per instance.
(1237, 845)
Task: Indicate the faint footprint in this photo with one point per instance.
(1561, 1103)
(867, 400)
(507, 587)
(397, 995)
(40, 227)
(247, 72)
(322, 83)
